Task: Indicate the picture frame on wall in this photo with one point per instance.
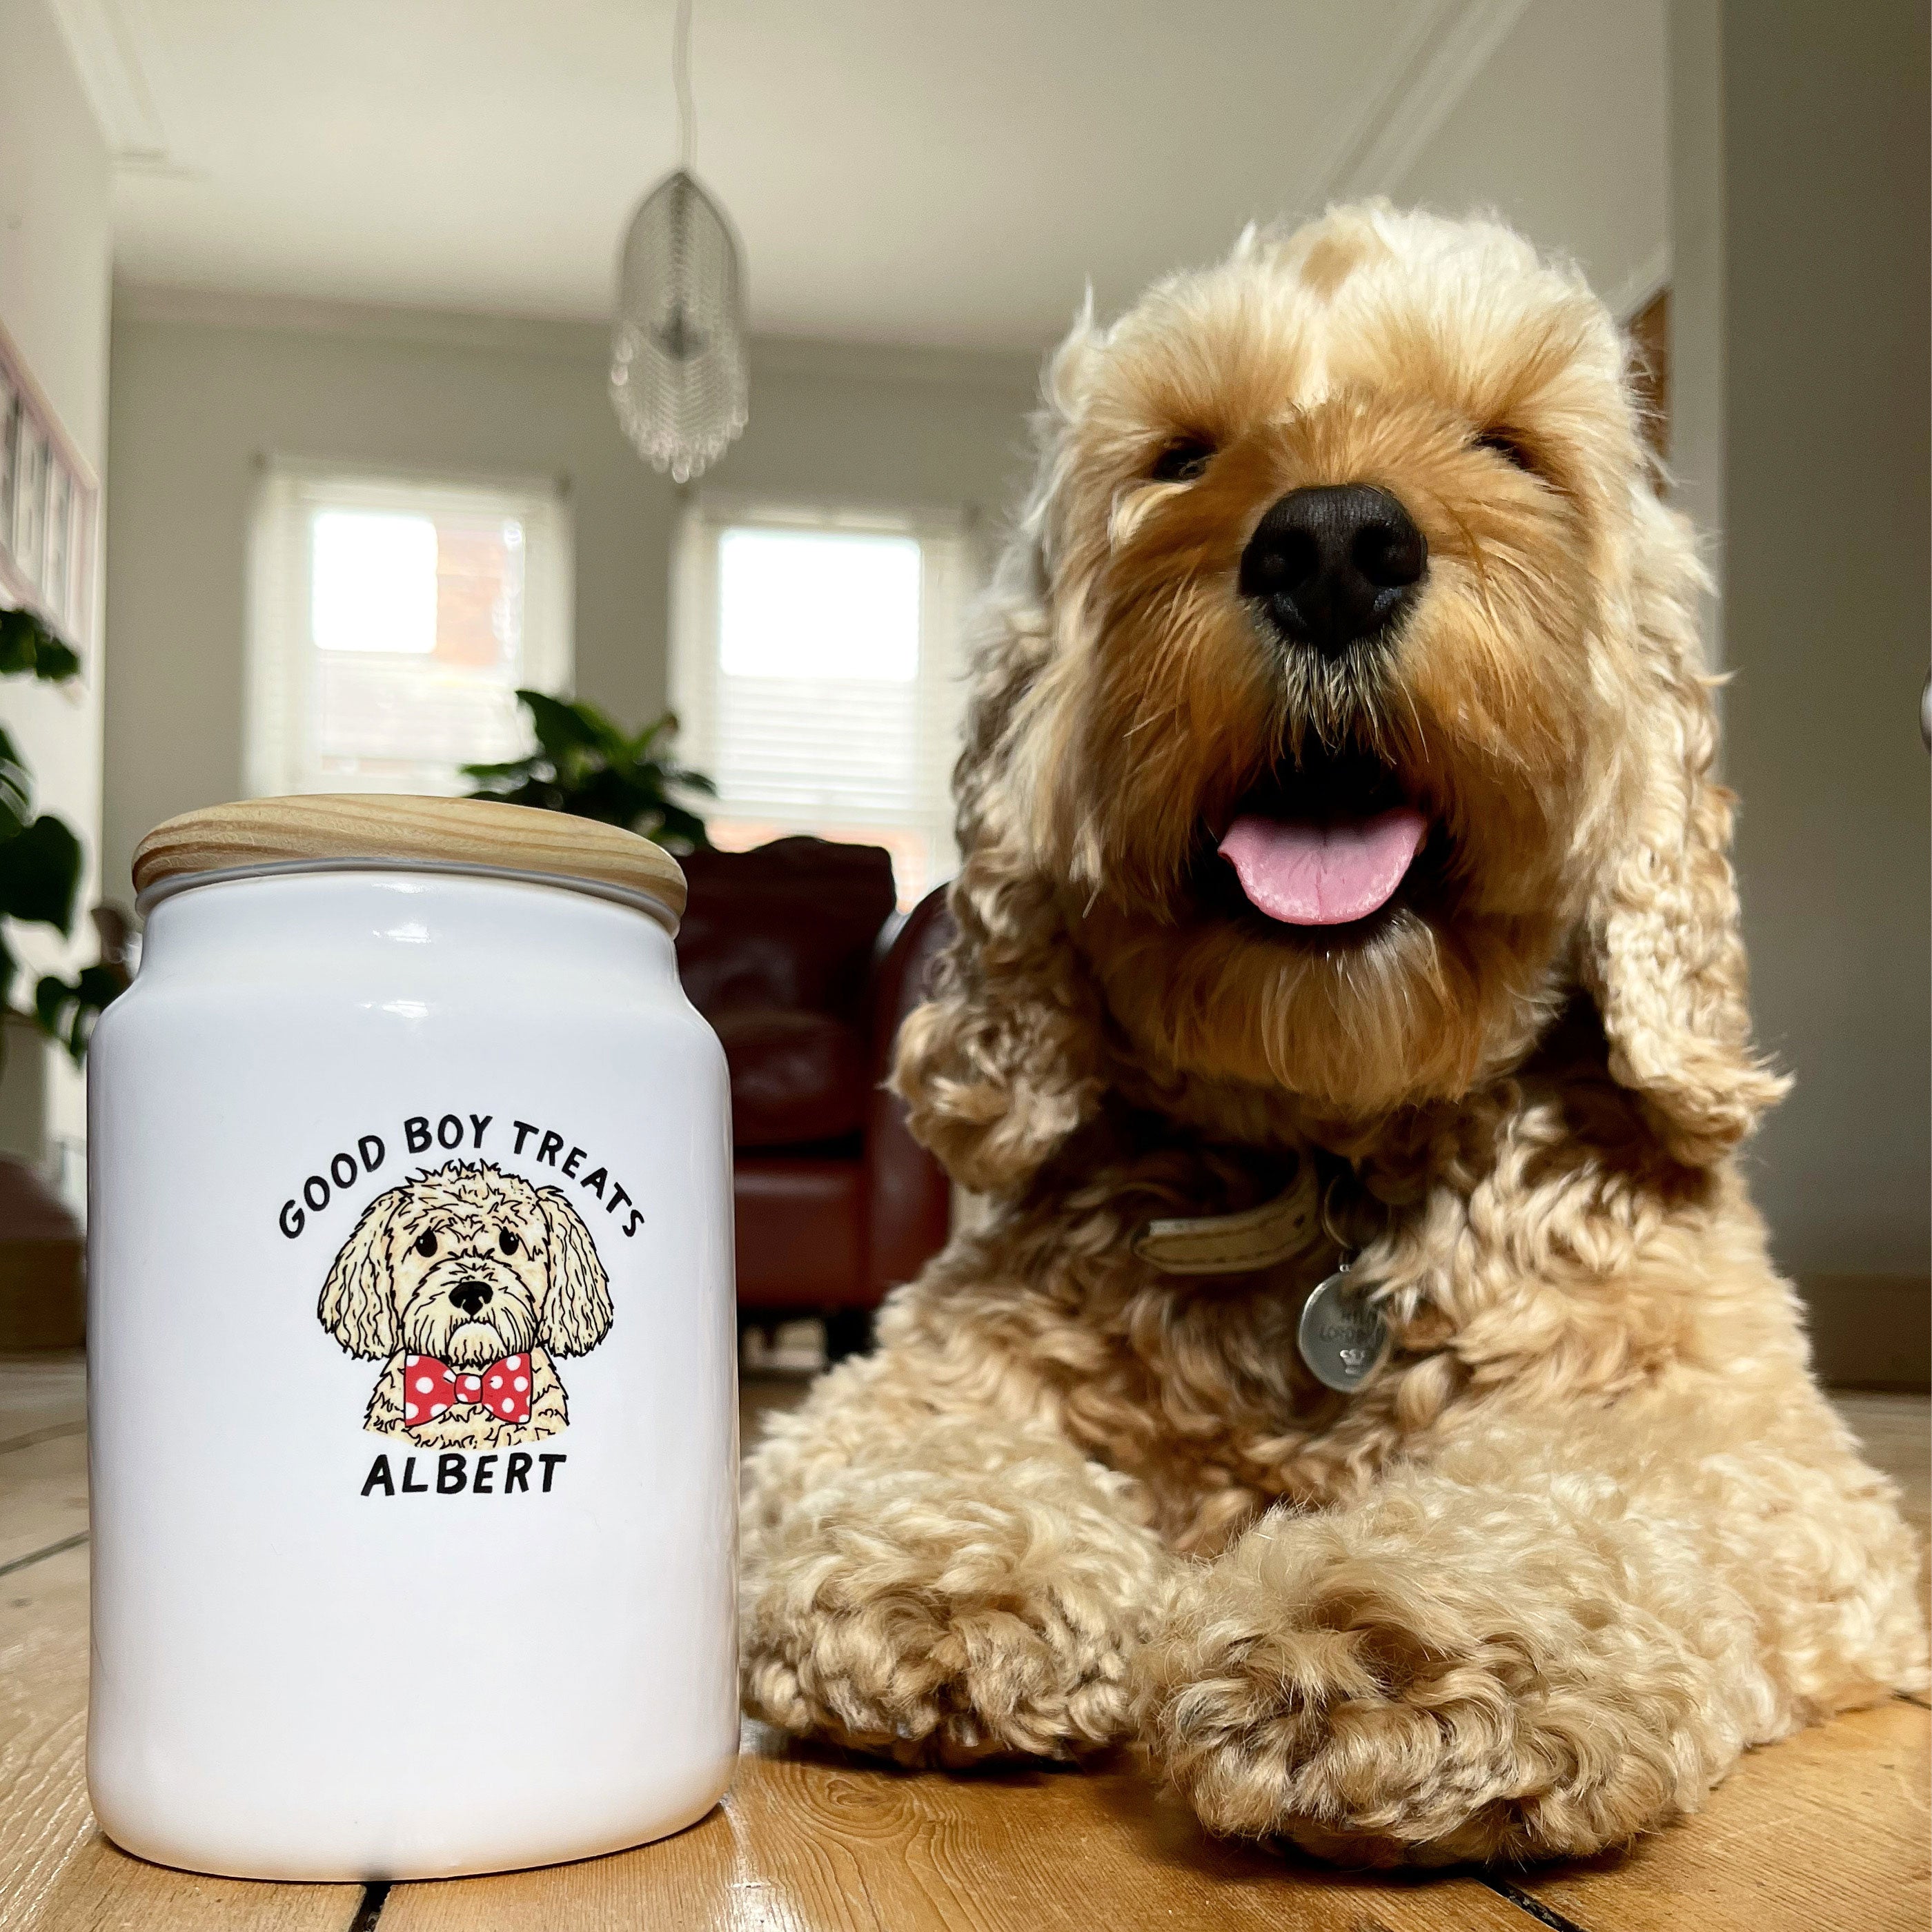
(48, 507)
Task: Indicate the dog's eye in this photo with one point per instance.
(507, 1242)
(426, 1243)
(1507, 444)
(1183, 461)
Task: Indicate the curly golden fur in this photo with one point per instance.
(1592, 1531)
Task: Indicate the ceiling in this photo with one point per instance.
(912, 171)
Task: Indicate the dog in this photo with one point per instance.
(1344, 921)
(467, 1282)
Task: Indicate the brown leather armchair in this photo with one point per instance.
(796, 955)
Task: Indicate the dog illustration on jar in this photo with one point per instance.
(468, 1283)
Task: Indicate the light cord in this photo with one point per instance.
(680, 68)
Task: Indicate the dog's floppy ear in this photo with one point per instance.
(356, 1307)
(996, 1068)
(1663, 955)
(1000, 1065)
(577, 1308)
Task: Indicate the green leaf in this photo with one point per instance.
(560, 727)
(50, 995)
(539, 793)
(675, 822)
(39, 870)
(639, 747)
(55, 662)
(65, 1011)
(603, 795)
(26, 645)
(20, 640)
(585, 765)
(605, 736)
(99, 985)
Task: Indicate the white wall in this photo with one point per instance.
(1565, 131)
(1697, 348)
(1828, 548)
(55, 243)
(201, 392)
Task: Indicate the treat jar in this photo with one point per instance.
(410, 1349)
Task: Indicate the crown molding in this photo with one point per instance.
(570, 338)
(1650, 275)
(1431, 70)
(112, 46)
(566, 338)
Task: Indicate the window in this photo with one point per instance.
(46, 508)
(393, 620)
(817, 672)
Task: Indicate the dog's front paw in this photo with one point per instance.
(1378, 1708)
(944, 1615)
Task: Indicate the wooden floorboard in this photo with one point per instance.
(44, 1813)
(42, 1391)
(57, 1873)
(1827, 1830)
(810, 1841)
(42, 1496)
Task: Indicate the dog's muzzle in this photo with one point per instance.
(471, 1309)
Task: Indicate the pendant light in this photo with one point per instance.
(678, 381)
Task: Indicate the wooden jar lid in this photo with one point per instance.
(394, 831)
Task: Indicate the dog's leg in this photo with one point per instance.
(939, 1584)
(1562, 1630)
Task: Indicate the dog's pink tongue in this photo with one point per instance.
(1305, 874)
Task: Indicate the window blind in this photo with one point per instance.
(392, 620)
(818, 677)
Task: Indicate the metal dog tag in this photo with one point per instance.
(1342, 1337)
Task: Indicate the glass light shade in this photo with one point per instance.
(678, 380)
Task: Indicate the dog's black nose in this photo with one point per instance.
(1333, 563)
(470, 1295)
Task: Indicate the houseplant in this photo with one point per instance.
(587, 764)
(41, 862)
(42, 1299)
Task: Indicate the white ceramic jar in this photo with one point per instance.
(411, 1369)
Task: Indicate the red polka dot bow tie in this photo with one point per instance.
(430, 1387)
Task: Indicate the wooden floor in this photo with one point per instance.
(1827, 1830)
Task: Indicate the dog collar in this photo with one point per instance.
(1341, 1336)
(1258, 1237)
